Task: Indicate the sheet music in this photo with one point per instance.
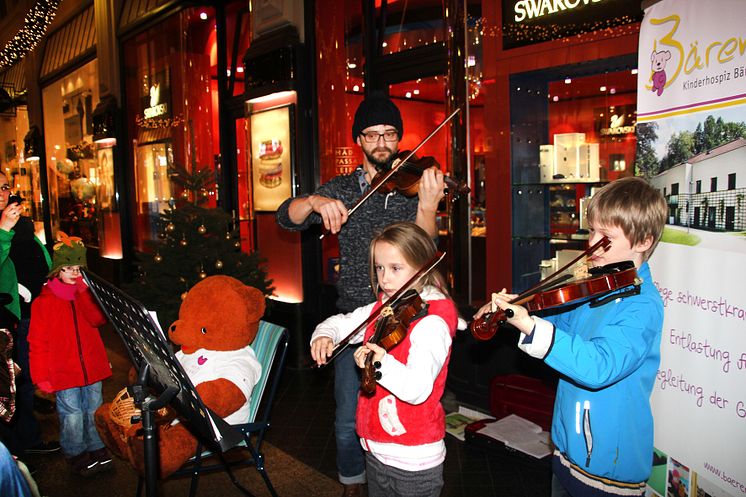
(520, 434)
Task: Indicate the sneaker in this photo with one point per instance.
(102, 457)
(83, 464)
(44, 406)
(44, 448)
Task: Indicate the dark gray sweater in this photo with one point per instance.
(374, 214)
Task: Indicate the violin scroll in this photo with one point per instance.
(485, 327)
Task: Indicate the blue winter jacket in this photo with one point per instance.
(608, 357)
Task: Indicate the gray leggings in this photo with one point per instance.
(387, 481)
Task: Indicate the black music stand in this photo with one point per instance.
(159, 372)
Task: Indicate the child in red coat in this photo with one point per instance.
(67, 355)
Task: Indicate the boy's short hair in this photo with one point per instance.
(634, 206)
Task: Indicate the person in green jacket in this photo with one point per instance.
(24, 264)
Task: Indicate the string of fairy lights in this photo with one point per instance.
(35, 25)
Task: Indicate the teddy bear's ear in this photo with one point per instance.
(255, 303)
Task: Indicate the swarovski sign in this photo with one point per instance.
(531, 9)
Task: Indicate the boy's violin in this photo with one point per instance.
(604, 279)
(556, 290)
(391, 329)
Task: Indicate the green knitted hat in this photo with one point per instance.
(68, 251)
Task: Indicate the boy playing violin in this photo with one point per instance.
(607, 355)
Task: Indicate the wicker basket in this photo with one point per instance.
(123, 408)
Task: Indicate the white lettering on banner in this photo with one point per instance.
(530, 9)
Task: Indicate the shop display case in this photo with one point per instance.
(569, 159)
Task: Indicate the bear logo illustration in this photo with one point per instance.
(658, 62)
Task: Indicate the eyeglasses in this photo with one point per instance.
(5, 188)
(70, 269)
(390, 135)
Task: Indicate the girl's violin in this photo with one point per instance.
(429, 266)
(391, 329)
(406, 179)
(603, 280)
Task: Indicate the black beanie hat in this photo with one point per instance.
(376, 110)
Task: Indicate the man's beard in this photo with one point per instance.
(380, 164)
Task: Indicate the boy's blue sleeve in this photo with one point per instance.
(606, 344)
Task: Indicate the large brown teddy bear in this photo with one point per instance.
(218, 320)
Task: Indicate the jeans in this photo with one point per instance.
(350, 457)
(75, 407)
(23, 430)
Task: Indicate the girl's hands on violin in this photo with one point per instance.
(361, 352)
(321, 349)
(333, 212)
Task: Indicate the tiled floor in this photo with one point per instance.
(303, 426)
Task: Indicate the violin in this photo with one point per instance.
(391, 329)
(429, 266)
(406, 180)
(603, 279)
(384, 177)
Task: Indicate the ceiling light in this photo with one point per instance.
(203, 15)
(568, 81)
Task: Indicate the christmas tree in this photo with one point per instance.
(194, 242)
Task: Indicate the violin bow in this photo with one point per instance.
(603, 243)
(434, 261)
(382, 181)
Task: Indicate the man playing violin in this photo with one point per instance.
(607, 355)
(377, 129)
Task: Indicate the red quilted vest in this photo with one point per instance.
(423, 423)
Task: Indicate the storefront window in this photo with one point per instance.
(573, 130)
(73, 171)
(22, 172)
(172, 114)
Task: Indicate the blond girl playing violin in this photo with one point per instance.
(402, 424)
